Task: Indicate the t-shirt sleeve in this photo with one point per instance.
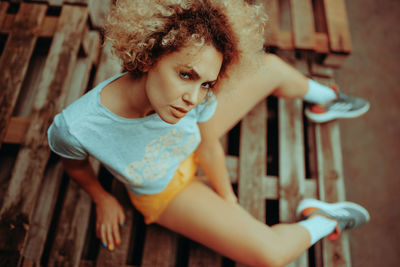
(62, 142)
(205, 110)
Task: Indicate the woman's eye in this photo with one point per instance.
(184, 75)
(207, 86)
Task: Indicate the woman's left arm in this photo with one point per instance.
(211, 157)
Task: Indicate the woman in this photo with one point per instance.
(193, 69)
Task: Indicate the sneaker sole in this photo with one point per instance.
(329, 116)
(307, 203)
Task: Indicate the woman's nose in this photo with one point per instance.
(191, 96)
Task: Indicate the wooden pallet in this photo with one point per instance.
(320, 26)
(98, 9)
(44, 56)
(47, 220)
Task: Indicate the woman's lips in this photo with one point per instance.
(178, 112)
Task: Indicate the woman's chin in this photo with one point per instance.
(170, 119)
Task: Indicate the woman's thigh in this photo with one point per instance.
(242, 93)
(201, 215)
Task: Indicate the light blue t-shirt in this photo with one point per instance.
(143, 153)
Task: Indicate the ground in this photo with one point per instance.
(371, 144)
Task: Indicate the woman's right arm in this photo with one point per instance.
(109, 213)
(82, 172)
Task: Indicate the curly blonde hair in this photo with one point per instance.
(142, 31)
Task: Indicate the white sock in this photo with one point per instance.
(318, 93)
(318, 227)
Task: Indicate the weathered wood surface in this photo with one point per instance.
(16, 211)
(56, 2)
(303, 24)
(16, 130)
(3, 9)
(160, 247)
(338, 26)
(73, 224)
(71, 230)
(43, 215)
(15, 58)
(331, 188)
(119, 256)
(319, 25)
(292, 185)
(201, 256)
(252, 161)
(272, 31)
(108, 65)
(291, 158)
(98, 10)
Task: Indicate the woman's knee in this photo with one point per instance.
(265, 258)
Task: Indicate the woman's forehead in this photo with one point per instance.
(195, 55)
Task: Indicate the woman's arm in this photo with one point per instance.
(82, 172)
(110, 213)
(211, 157)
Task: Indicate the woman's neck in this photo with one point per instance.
(126, 97)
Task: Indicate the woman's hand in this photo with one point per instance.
(109, 216)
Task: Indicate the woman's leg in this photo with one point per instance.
(275, 76)
(201, 215)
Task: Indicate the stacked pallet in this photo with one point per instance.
(320, 26)
(51, 54)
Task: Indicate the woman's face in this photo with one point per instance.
(180, 81)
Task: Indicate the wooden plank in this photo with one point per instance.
(338, 26)
(319, 15)
(331, 187)
(82, 68)
(119, 256)
(48, 196)
(47, 28)
(61, 2)
(313, 172)
(272, 29)
(335, 60)
(42, 217)
(3, 9)
(15, 59)
(160, 247)
(30, 86)
(292, 184)
(321, 71)
(252, 161)
(331, 184)
(270, 184)
(32, 157)
(109, 65)
(86, 263)
(286, 40)
(321, 43)
(98, 11)
(200, 256)
(16, 130)
(303, 24)
(71, 230)
(291, 164)
(78, 2)
(291, 158)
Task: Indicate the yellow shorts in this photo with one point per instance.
(152, 206)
